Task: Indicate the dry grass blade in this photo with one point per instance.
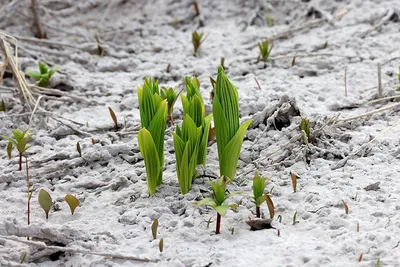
(361, 257)
(270, 205)
(294, 181)
(161, 245)
(346, 208)
(114, 118)
(13, 62)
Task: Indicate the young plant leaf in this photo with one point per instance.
(72, 202)
(197, 40)
(78, 148)
(9, 149)
(305, 126)
(161, 245)
(2, 106)
(265, 50)
(114, 118)
(295, 217)
(45, 201)
(229, 133)
(154, 228)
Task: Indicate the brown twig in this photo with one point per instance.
(258, 84)
(36, 20)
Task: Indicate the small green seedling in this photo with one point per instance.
(154, 228)
(295, 217)
(265, 50)
(2, 106)
(186, 145)
(259, 184)
(78, 148)
(378, 263)
(279, 218)
(197, 40)
(346, 208)
(23, 258)
(44, 74)
(161, 245)
(193, 106)
(294, 181)
(100, 50)
(218, 202)
(229, 133)
(171, 96)
(270, 21)
(114, 118)
(45, 201)
(20, 142)
(209, 221)
(305, 126)
(398, 78)
(153, 115)
(72, 202)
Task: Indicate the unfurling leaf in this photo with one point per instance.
(78, 148)
(114, 118)
(295, 217)
(294, 181)
(346, 208)
(270, 205)
(72, 202)
(45, 201)
(154, 227)
(161, 244)
(9, 149)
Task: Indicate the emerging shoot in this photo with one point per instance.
(197, 40)
(259, 184)
(265, 50)
(72, 202)
(43, 75)
(45, 201)
(229, 132)
(218, 202)
(114, 118)
(154, 228)
(171, 96)
(305, 126)
(20, 142)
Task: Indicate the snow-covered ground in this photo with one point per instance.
(153, 38)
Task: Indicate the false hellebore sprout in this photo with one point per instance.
(229, 132)
(197, 40)
(218, 203)
(153, 114)
(265, 50)
(44, 74)
(171, 96)
(20, 141)
(193, 106)
(259, 197)
(186, 144)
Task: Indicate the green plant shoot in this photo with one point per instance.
(265, 50)
(193, 106)
(305, 126)
(398, 78)
(43, 75)
(153, 114)
(229, 132)
(2, 106)
(218, 202)
(186, 144)
(72, 202)
(197, 40)
(20, 141)
(171, 96)
(259, 184)
(45, 201)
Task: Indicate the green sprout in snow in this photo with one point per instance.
(193, 106)
(20, 141)
(229, 132)
(218, 202)
(171, 96)
(259, 197)
(153, 114)
(44, 74)
(197, 40)
(265, 50)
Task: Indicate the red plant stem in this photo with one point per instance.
(258, 213)
(29, 199)
(218, 227)
(171, 119)
(20, 161)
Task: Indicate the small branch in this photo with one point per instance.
(258, 84)
(36, 20)
(380, 91)
(54, 249)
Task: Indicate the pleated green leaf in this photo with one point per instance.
(157, 129)
(231, 152)
(151, 159)
(202, 154)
